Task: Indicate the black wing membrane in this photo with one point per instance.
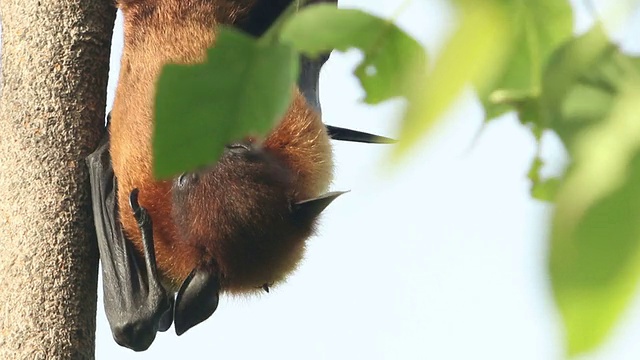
(136, 303)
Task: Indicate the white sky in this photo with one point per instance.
(442, 258)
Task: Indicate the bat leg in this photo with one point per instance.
(135, 301)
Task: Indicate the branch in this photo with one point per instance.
(55, 62)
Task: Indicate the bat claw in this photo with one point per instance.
(139, 213)
(133, 202)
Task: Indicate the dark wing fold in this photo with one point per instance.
(136, 304)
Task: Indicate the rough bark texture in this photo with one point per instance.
(55, 61)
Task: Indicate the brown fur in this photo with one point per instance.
(234, 220)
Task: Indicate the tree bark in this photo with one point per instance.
(55, 62)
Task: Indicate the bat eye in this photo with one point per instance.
(238, 148)
(185, 179)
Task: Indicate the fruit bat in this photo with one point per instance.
(168, 248)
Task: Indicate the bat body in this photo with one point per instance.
(291, 165)
(239, 225)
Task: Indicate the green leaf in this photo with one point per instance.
(575, 93)
(592, 93)
(393, 60)
(542, 189)
(243, 88)
(476, 48)
(537, 28)
(595, 261)
(545, 190)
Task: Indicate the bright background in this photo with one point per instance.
(442, 256)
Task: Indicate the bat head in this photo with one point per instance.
(240, 214)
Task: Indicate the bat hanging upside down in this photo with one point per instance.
(238, 226)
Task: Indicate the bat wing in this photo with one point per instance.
(136, 303)
(338, 133)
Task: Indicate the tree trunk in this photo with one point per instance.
(55, 61)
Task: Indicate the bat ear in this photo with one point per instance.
(197, 299)
(313, 207)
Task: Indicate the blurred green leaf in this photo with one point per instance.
(545, 190)
(393, 60)
(575, 94)
(537, 28)
(244, 88)
(474, 51)
(595, 264)
(592, 94)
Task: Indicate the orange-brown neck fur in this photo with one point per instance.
(297, 155)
